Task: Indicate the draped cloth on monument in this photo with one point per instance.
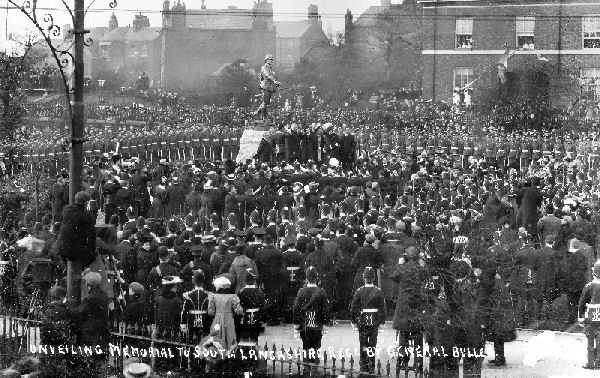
(249, 144)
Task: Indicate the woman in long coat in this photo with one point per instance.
(159, 199)
(222, 306)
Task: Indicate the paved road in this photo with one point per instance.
(562, 357)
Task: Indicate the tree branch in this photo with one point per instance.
(70, 11)
(88, 7)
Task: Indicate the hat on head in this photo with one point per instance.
(550, 239)
(258, 231)
(136, 287)
(163, 252)
(575, 245)
(197, 228)
(55, 228)
(137, 370)
(92, 278)
(198, 278)
(311, 274)
(172, 225)
(222, 283)
(596, 269)
(57, 292)
(189, 220)
(196, 250)
(82, 197)
(206, 239)
(171, 280)
(313, 231)
(230, 242)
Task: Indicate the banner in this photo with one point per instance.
(249, 143)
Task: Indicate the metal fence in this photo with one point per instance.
(176, 353)
(18, 335)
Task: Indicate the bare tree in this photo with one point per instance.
(387, 38)
(14, 67)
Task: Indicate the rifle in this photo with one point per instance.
(277, 90)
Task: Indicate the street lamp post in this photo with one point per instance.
(101, 85)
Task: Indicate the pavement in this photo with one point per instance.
(553, 354)
(548, 354)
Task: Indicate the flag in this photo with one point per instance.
(502, 65)
(467, 86)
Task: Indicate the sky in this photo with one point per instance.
(332, 11)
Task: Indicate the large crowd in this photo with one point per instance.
(469, 231)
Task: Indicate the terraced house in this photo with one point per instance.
(554, 48)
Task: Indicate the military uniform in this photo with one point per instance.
(368, 312)
(311, 313)
(589, 312)
(269, 264)
(292, 259)
(268, 85)
(195, 314)
(253, 301)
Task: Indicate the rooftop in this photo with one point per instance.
(126, 33)
(292, 29)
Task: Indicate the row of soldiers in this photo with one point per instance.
(289, 145)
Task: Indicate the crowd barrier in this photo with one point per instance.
(175, 351)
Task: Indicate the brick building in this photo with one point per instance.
(556, 43)
(194, 43)
(133, 49)
(295, 39)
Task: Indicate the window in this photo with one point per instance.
(525, 31)
(590, 83)
(290, 60)
(144, 51)
(591, 32)
(464, 33)
(104, 51)
(462, 77)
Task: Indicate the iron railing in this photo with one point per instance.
(177, 353)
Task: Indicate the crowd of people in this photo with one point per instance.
(466, 231)
(146, 131)
(478, 242)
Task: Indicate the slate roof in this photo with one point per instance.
(219, 18)
(121, 34)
